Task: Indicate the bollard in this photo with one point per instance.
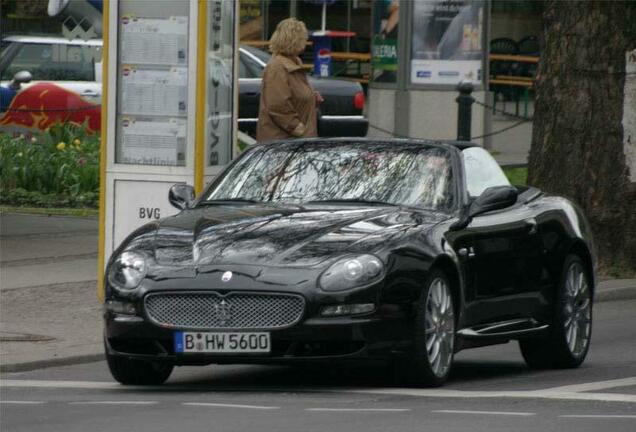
(464, 110)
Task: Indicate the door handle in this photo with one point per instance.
(531, 225)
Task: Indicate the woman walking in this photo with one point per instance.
(288, 102)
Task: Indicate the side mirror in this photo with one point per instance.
(20, 78)
(493, 198)
(181, 196)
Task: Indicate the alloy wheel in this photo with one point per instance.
(439, 327)
(577, 310)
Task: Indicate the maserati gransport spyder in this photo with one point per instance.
(337, 250)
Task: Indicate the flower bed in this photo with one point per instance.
(56, 168)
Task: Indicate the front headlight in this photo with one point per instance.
(352, 272)
(127, 271)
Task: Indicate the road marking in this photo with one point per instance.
(113, 403)
(592, 386)
(530, 394)
(574, 392)
(223, 405)
(359, 409)
(499, 413)
(604, 416)
(22, 402)
(95, 385)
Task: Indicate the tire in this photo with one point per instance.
(434, 333)
(568, 342)
(137, 372)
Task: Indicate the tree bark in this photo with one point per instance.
(577, 145)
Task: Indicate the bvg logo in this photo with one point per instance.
(71, 29)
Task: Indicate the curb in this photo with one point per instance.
(619, 293)
(41, 364)
(604, 295)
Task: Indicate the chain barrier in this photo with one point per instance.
(521, 121)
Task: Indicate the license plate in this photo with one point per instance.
(225, 342)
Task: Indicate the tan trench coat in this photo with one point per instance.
(288, 104)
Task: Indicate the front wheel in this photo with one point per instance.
(137, 372)
(569, 340)
(434, 332)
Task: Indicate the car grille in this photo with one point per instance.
(211, 310)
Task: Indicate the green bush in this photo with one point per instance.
(56, 168)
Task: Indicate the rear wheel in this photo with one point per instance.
(137, 372)
(568, 342)
(434, 332)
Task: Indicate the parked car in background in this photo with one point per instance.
(67, 86)
(340, 113)
(66, 83)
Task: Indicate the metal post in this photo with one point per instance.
(464, 110)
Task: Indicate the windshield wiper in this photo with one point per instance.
(351, 200)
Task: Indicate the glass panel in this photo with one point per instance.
(46, 62)
(384, 54)
(152, 69)
(220, 82)
(482, 171)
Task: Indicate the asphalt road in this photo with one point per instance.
(490, 390)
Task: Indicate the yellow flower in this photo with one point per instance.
(76, 142)
(19, 154)
(61, 145)
(34, 140)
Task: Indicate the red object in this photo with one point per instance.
(334, 33)
(44, 104)
(358, 100)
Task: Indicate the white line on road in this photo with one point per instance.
(113, 403)
(359, 409)
(603, 416)
(95, 385)
(528, 394)
(498, 413)
(223, 405)
(592, 386)
(574, 392)
(8, 402)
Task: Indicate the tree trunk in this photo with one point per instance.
(578, 148)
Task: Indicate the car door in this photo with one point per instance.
(500, 250)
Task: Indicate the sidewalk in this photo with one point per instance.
(49, 312)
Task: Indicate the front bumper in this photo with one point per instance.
(314, 339)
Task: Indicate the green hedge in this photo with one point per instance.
(56, 168)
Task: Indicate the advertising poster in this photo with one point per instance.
(384, 54)
(447, 45)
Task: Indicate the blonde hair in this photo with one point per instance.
(289, 38)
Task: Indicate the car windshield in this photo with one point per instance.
(260, 54)
(372, 173)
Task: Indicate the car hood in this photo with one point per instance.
(265, 235)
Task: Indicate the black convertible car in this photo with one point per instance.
(352, 249)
